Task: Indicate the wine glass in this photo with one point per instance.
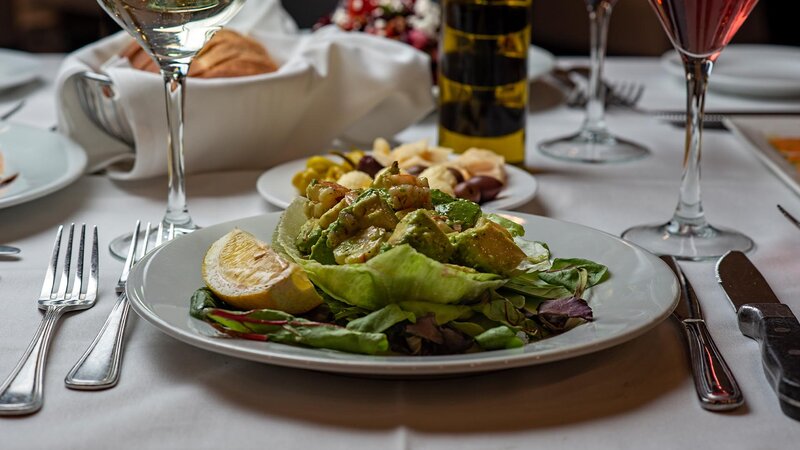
(699, 30)
(594, 143)
(172, 32)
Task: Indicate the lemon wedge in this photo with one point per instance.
(249, 274)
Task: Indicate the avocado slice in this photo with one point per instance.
(361, 247)
(421, 232)
(488, 247)
(308, 236)
(367, 211)
(460, 213)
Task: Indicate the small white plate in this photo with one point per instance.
(640, 293)
(757, 130)
(749, 70)
(45, 161)
(540, 62)
(275, 185)
(17, 68)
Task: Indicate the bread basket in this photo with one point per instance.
(97, 98)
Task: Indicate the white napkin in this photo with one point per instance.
(330, 84)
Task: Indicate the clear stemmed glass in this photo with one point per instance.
(594, 143)
(172, 32)
(699, 30)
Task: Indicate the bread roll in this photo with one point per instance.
(227, 54)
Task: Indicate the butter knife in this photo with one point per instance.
(714, 382)
(764, 318)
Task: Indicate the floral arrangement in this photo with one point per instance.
(415, 22)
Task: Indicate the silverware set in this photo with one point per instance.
(22, 392)
(761, 316)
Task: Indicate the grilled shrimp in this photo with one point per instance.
(323, 195)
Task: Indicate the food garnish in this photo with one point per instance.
(247, 274)
(399, 268)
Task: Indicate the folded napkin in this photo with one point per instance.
(330, 84)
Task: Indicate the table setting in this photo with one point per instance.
(283, 299)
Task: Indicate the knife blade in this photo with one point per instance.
(714, 382)
(763, 317)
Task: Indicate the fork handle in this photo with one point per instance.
(714, 382)
(21, 393)
(98, 368)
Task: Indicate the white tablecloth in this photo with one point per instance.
(638, 395)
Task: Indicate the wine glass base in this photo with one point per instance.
(119, 246)
(593, 147)
(687, 242)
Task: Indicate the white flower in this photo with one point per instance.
(339, 17)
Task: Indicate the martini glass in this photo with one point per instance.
(594, 143)
(172, 32)
(699, 30)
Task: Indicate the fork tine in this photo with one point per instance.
(131, 254)
(94, 268)
(637, 94)
(146, 241)
(160, 234)
(78, 279)
(62, 287)
(50, 275)
(171, 234)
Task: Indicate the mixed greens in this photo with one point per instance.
(405, 269)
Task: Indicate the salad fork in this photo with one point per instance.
(98, 368)
(21, 393)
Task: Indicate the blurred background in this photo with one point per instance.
(560, 26)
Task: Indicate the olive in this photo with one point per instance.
(468, 192)
(456, 173)
(489, 186)
(369, 165)
(416, 169)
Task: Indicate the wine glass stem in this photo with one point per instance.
(174, 84)
(599, 17)
(689, 211)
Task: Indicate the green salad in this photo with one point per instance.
(402, 269)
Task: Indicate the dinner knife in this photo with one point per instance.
(764, 318)
(714, 382)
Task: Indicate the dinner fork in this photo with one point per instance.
(21, 393)
(98, 368)
(625, 94)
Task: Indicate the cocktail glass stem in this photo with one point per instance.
(599, 18)
(174, 74)
(688, 235)
(689, 212)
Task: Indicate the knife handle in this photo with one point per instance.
(778, 331)
(716, 387)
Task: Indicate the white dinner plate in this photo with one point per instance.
(17, 68)
(757, 130)
(640, 293)
(749, 70)
(45, 161)
(275, 185)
